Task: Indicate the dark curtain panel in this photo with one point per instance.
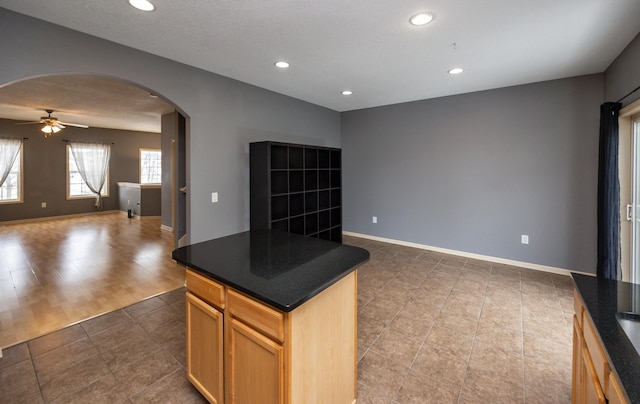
(608, 193)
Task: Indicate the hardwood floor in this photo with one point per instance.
(59, 272)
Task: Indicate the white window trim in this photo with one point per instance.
(20, 181)
(140, 166)
(92, 196)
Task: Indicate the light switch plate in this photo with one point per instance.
(214, 197)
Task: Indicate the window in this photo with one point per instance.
(150, 166)
(11, 189)
(76, 187)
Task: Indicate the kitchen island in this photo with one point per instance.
(606, 366)
(271, 318)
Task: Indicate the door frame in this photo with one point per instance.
(625, 167)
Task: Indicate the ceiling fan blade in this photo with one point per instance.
(73, 124)
(59, 125)
(27, 123)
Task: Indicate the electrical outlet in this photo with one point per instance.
(375, 219)
(524, 239)
(43, 204)
(214, 197)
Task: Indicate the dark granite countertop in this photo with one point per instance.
(280, 269)
(604, 298)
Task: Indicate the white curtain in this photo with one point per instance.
(9, 149)
(92, 160)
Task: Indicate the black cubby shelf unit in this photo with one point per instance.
(296, 188)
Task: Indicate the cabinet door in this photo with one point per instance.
(204, 349)
(593, 393)
(577, 388)
(254, 363)
(614, 392)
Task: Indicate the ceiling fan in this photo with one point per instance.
(52, 124)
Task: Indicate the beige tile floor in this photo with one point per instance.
(431, 328)
(435, 328)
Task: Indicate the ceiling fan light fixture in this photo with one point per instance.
(49, 129)
(143, 5)
(421, 19)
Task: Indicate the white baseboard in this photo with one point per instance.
(522, 264)
(48, 218)
(166, 228)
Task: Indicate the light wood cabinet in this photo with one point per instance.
(204, 348)
(254, 366)
(593, 380)
(242, 351)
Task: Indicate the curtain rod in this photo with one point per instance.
(632, 91)
(86, 141)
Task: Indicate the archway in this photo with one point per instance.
(51, 290)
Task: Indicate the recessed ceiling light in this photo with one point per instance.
(421, 19)
(143, 5)
(346, 92)
(282, 64)
(456, 70)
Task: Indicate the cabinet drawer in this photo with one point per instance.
(206, 289)
(600, 364)
(264, 319)
(578, 308)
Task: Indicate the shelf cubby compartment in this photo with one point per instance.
(324, 200)
(324, 220)
(336, 216)
(296, 225)
(325, 235)
(324, 179)
(310, 223)
(279, 182)
(296, 204)
(336, 159)
(336, 234)
(311, 202)
(310, 180)
(280, 225)
(310, 158)
(324, 158)
(296, 158)
(335, 197)
(336, 180)
(279, 158)
(296, 181)
(279, 207)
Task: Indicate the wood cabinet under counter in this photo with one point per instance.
(250, 341)
(606, 367)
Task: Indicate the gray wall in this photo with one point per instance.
(45, 168)
(473, 172)
(169, 134)
(624, 74)
(223, 115)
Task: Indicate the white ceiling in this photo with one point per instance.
(84, 99)
(366, 46)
